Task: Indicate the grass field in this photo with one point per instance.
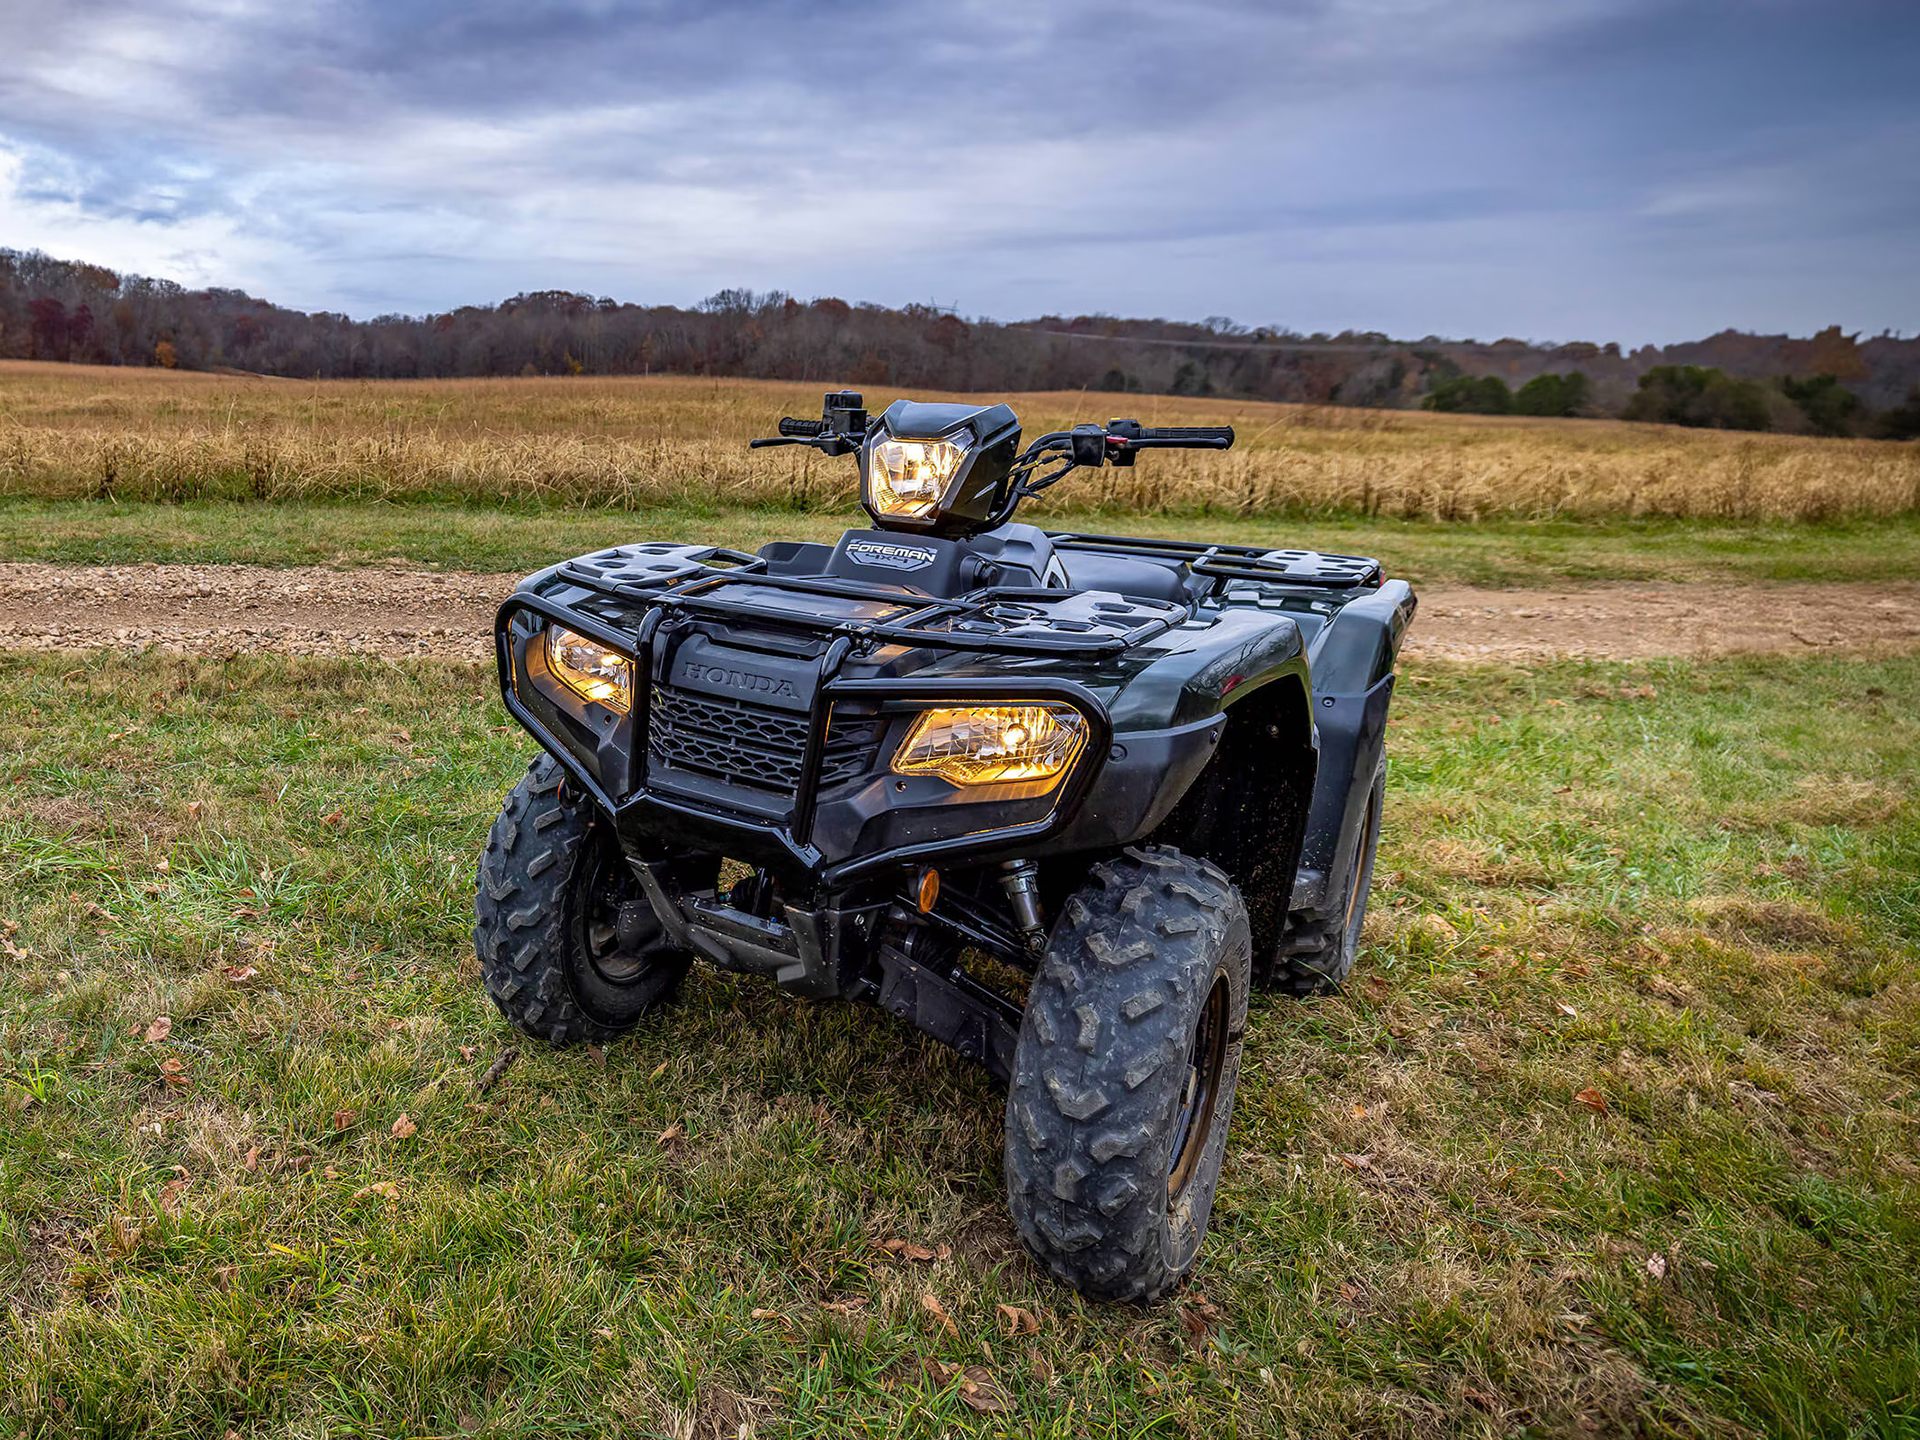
(495, 538)
(75, 431)
(1616, 1130)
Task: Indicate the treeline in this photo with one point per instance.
(65, 310)
(1700, 396)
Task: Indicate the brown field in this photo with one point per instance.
(77, 431)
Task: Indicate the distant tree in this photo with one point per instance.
(947, 332)
(1903, 421)
(1703, 397)
(49, 328)
(1552, 395)
(1191, 379)
(1471, 394)
(164, 354)
(1828, 405)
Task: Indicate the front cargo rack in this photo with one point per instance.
(1002, 620)
(1239, 562)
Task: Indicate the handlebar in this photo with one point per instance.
(822, 436)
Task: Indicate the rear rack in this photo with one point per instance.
(682, 579)
(1239, 562)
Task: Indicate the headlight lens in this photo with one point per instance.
(993, 744)
(589, 669)
(908, 477)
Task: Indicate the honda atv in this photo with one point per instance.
(1055, 799)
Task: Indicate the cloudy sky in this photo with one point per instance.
(1640, 170)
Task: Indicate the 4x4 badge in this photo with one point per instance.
(891, 556)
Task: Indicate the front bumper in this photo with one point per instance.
(836, 829)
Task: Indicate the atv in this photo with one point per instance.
(1056, 800)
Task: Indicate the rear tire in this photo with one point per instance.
(1318, 947)
(1124, 1077)
(569, 949)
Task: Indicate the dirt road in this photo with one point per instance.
(221, 609)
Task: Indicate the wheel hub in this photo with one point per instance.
(1206, 1066)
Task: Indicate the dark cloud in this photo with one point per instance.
(1639, 169)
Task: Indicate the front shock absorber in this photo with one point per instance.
(1021, 880)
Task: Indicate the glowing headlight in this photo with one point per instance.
(993, 744)
(589, 669)
(908, 477)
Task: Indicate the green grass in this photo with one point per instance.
(516, 538)
(1687, 888)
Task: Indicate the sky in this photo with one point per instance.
(1635, 170)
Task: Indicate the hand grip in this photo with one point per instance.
(1221, 435)
(791, 426)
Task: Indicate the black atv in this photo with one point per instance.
(950, 759)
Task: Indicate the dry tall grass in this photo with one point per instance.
(70, 431)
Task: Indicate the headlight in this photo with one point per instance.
(589, 669)
(993, 744)
(908, 477)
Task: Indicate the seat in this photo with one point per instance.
(1123, 575)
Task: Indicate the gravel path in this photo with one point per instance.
(221, 609)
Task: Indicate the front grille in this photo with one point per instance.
(752, 746)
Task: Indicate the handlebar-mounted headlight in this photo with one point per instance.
(937, 469)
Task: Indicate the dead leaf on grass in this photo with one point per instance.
(467, 1052)
(930, 1303)
(1357, 1162)
(404, 1128)
(597, 1055)
(1566, 1009)
(1592, 1099)
(252, 1162)
(1039, 1366)
(1198, 1315)
(762, 1314)
(980, 1391)
(160, 1029)
(174, 1070)
(342, 1119)
(171, 1192)
(673, 1134)
(1657, 1266)
(240, 974)
(385, 1189)
(336, 819)
(1016, 1321)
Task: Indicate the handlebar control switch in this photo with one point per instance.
(1089, 445)
(844, 412)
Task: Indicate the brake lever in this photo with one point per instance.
(831, 444)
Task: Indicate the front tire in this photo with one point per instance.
(569, 949)
(1125, 1073)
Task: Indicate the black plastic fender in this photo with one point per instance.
(1352, 669)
